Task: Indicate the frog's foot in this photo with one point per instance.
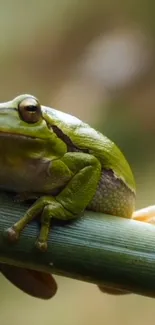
(47, 207)
(12, 234)
(145, 215)
(42, 206)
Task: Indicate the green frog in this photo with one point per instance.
(62, 163)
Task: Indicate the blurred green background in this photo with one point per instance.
(95, 60)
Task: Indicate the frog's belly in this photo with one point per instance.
(113, 196)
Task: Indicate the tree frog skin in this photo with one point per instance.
(64, 164)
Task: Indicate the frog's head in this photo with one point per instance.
(23, 120)
(23, 116)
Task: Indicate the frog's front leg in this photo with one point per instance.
(71, 201)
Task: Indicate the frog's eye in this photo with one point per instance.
(30, 110)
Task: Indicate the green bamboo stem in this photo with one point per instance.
(96, 248)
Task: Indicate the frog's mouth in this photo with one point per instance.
(12, 135)
(13, 144)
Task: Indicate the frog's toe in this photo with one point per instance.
(12, 234)
(41, 245)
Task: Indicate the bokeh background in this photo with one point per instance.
(93, 59)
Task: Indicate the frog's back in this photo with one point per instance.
(107, 152)
(85, 137)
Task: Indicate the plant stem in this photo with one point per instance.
(97, 248)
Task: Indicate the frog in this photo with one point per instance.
(63, 164)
